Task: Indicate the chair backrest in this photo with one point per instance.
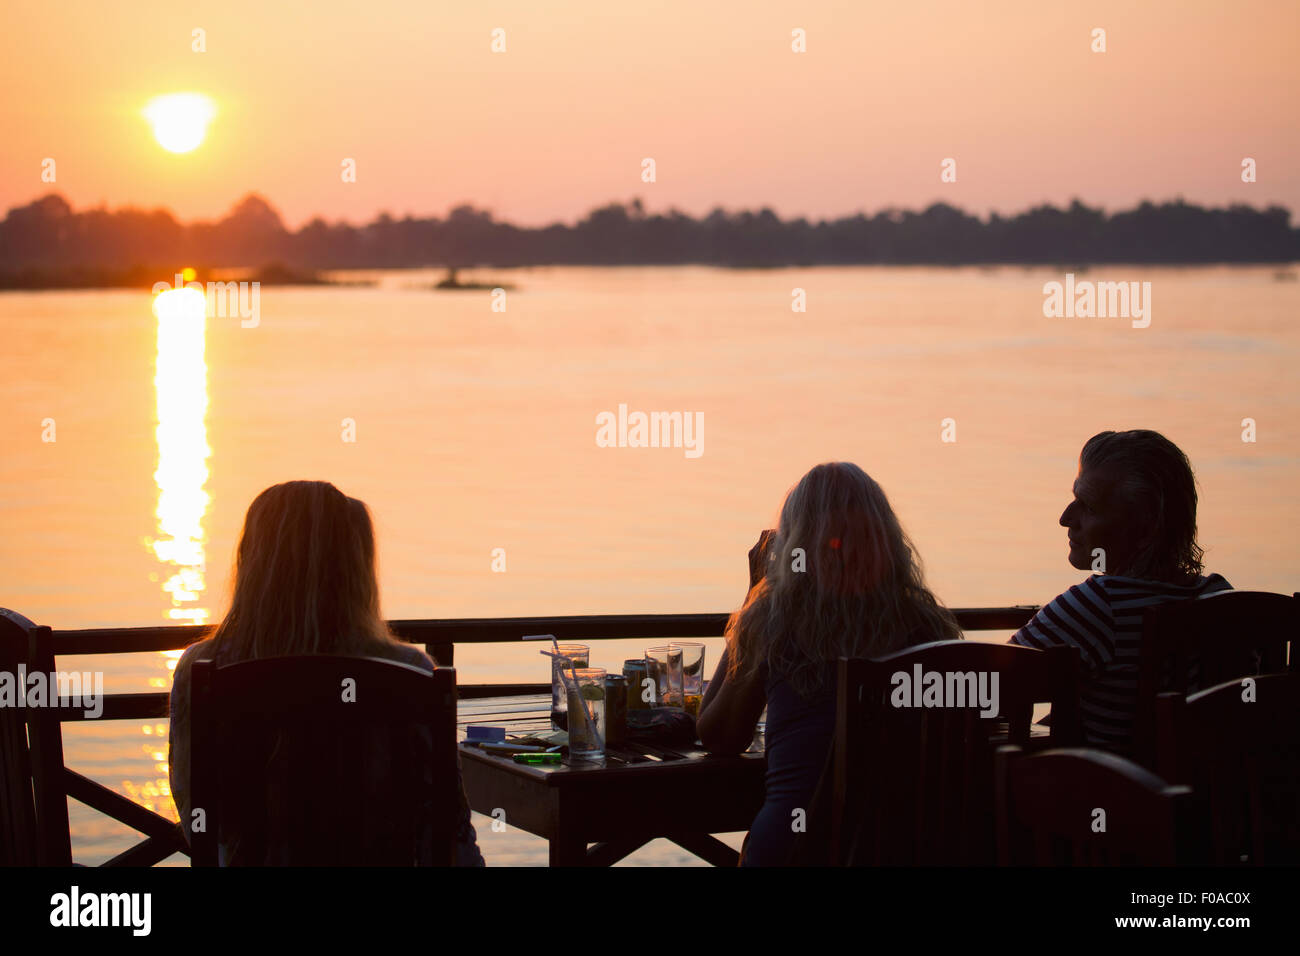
(323, 760)
(1085, 807)
(913, 785)
(1198, 643)
(1238, 746)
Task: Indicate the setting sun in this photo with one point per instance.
(180, 120)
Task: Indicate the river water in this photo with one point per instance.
(133, 444)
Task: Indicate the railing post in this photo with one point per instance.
(45, 733)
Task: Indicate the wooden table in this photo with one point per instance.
(641, 793)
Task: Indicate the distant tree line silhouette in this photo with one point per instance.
(48, 235)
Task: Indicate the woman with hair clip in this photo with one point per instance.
(838, 578)
(304, 584)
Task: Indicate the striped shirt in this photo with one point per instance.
(1102, 617)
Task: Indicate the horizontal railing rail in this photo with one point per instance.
(41, 771)
(499, 630)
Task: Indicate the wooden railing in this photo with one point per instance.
(35, 784)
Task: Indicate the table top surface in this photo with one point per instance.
(532, 714)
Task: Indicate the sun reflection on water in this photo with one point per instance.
(181, 384)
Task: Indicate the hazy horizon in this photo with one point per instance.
(397, 215)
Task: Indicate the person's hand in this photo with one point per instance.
(760, 556)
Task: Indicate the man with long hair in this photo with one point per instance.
(1133, 522)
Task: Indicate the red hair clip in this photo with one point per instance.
(835, 544)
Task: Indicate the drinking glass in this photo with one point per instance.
(580, 655)
(692, 675)
(586, 716)
(666, 664)
(637, 670)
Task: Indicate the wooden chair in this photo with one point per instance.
(18, 831)
(1205, 641)
(1238, 747)
(914, 786)
(1084, 807)
(289, 771)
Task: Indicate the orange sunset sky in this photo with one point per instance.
(560, 122)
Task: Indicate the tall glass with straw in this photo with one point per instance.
(586, 706)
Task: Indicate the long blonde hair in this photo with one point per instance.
(845, 581)
(304, 578)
